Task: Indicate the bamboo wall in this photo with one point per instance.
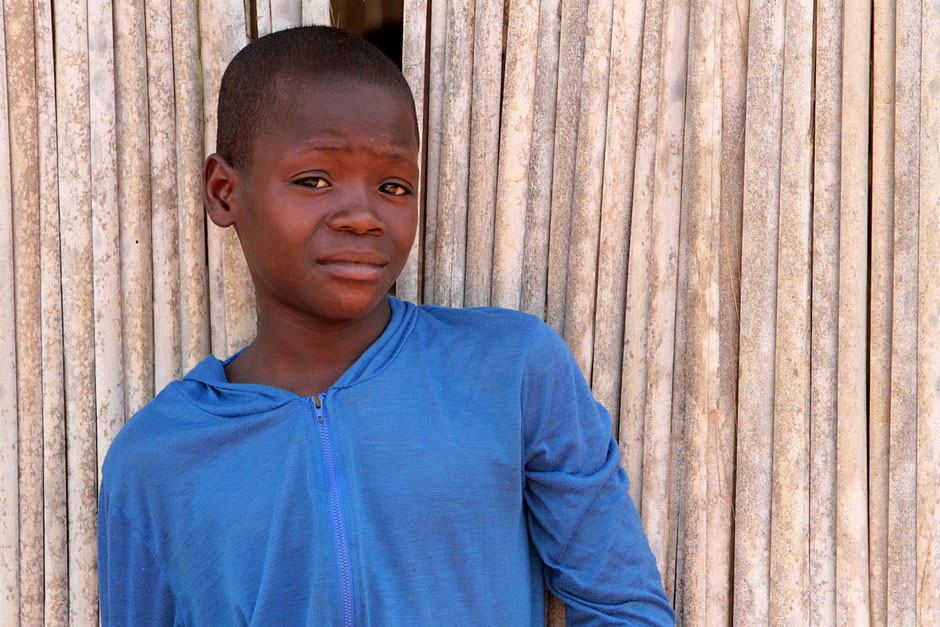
(735, 206)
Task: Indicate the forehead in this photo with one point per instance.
(333, 112)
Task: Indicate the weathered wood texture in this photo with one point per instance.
(730, 210)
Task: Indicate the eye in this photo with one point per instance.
(394, 189)
(314, 182)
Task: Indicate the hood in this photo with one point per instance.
(206, 386)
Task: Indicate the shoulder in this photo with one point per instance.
(489, 338)
(489, 322)
(144, 446)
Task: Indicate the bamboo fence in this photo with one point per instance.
(730, 210)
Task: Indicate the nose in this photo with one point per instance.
(356, 213)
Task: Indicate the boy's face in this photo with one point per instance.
(327, 210)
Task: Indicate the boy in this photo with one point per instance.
(363, 461)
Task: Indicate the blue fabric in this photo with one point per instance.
(470, 460)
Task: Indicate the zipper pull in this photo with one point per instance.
(318, 405)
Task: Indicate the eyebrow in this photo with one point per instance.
(309, 147)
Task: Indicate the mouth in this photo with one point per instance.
(353, 266)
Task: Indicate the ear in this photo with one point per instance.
(219, 180)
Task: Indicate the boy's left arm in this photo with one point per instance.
(581, 518)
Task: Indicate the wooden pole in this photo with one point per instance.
(133, 153)
(633, 388)
(570, 61)
(436, 56)
(285, 14)
(789, 522)
(262, 17)
(928, 327)
(825, 315)
(699, 364)
(588, 186)
(515, 142)
(721, 426)
(852, 601)
(318, 12)
(21, 82)
(484, 150)
(193, 297)
(539, 190)
(758, 312)
(9, 488)
(72, 109)
(55, 514)
(414, 67)
(106, 236)
(882, 251)
(163, 194)
(617, 202)
(902, 459)
(451, 252)
(664, 253)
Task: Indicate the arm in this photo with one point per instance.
(581, 518)
(133, 588)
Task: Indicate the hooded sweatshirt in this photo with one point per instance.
(458, 464)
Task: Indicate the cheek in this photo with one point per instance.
(406, 227)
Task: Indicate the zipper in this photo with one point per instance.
(336, 511)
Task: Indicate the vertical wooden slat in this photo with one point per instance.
(21, 85)
(514, 153)
(664, 252)
(194, 323)
(789, 521)
(484, 150)
(436, 55)
(539, 190)
(72, 111)
(318, 12)
(852, 601)
(928, 326)
(55, 534)
(102, 115)
(9, 493)
(451, 252)
(584, 231)
(134, 201)
(701, 200)
(570, 60)
(285, 14)
(902, 456)
(721, 425)
(758, 312)
(414, 67)
(825, 316)
(163, 197)
(617, 201)
(882, 240)
(232, 311)
(633, 387)
(678, 463)
(262, 17)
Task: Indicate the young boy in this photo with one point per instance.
(363, 461)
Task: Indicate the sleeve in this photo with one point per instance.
(581, 518)
(133, 588)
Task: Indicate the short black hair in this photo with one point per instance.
(259, 77)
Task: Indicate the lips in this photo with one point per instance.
(353, 265)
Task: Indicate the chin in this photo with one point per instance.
(352, 307)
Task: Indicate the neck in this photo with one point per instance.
(303, 354)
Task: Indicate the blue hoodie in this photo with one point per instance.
(459, 461)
